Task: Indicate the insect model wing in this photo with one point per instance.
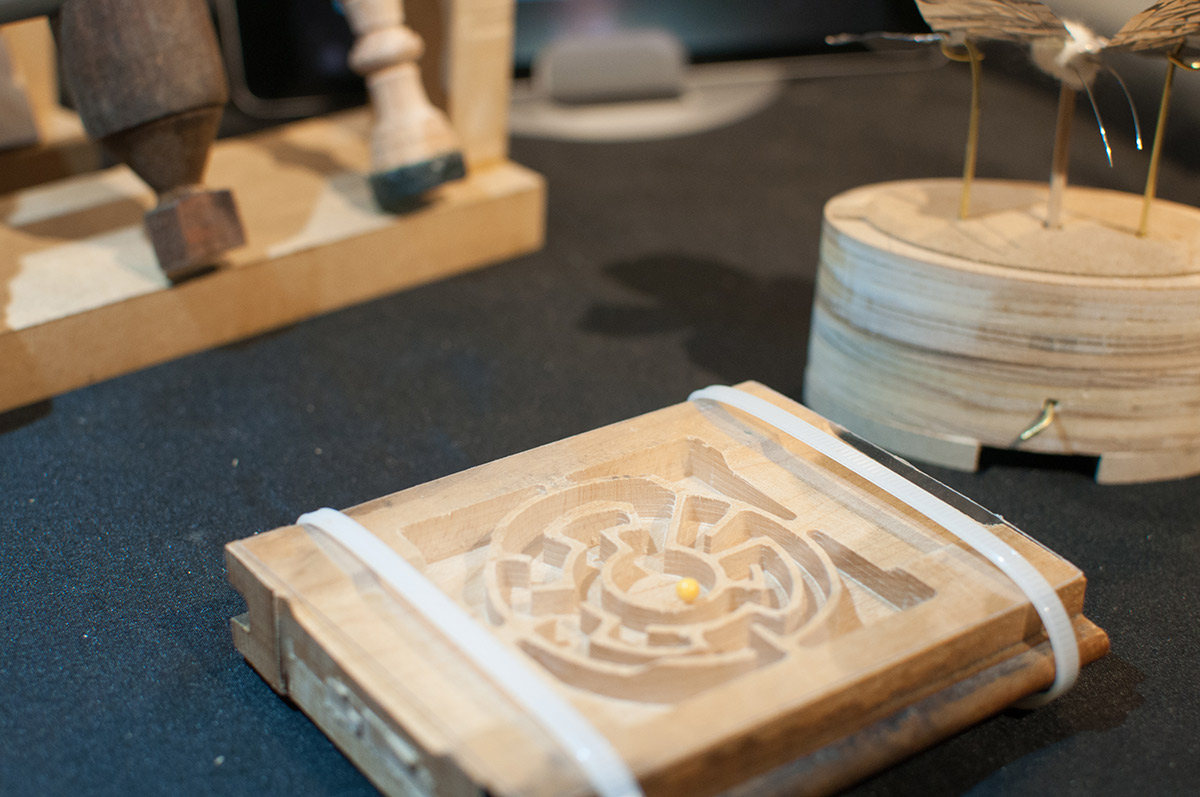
(1162, 26)
(1008, 20)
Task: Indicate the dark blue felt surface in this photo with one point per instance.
(669, 265)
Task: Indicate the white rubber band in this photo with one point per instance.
(1045, 600)
(600, 763)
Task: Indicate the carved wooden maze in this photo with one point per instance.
(825, 611)
(584, 580)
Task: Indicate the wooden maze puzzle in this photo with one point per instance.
(833, 630)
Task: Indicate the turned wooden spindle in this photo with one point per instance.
(147, 79)
(413, 147)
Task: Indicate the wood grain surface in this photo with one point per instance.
(936, 336)
(827, 610)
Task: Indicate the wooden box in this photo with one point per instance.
(836, 631)
(82, 298)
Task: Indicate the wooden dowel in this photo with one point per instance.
(973, 57)
(972, 154)
(1156, 151)
(1062, 156)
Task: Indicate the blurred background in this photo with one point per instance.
(287, 59)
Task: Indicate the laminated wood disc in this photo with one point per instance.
(934, 336)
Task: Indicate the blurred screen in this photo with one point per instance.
(293, 48)
(285, 49)
(713, 29)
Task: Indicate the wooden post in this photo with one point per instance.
(1061, 159)
(971, 157)
(1156, 150)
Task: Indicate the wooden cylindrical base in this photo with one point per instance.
(935, 336)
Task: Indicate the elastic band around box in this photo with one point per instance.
(1059, 628)
(596, 758)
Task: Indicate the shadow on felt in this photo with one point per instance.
(741, 326)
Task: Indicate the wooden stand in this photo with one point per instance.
(81, 296)
(933, 336)
(834, 632)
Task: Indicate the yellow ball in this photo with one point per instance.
(688, 589)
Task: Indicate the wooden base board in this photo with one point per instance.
(836, 631)
(82, 298)
(935, 336)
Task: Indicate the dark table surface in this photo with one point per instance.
(669, 265)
